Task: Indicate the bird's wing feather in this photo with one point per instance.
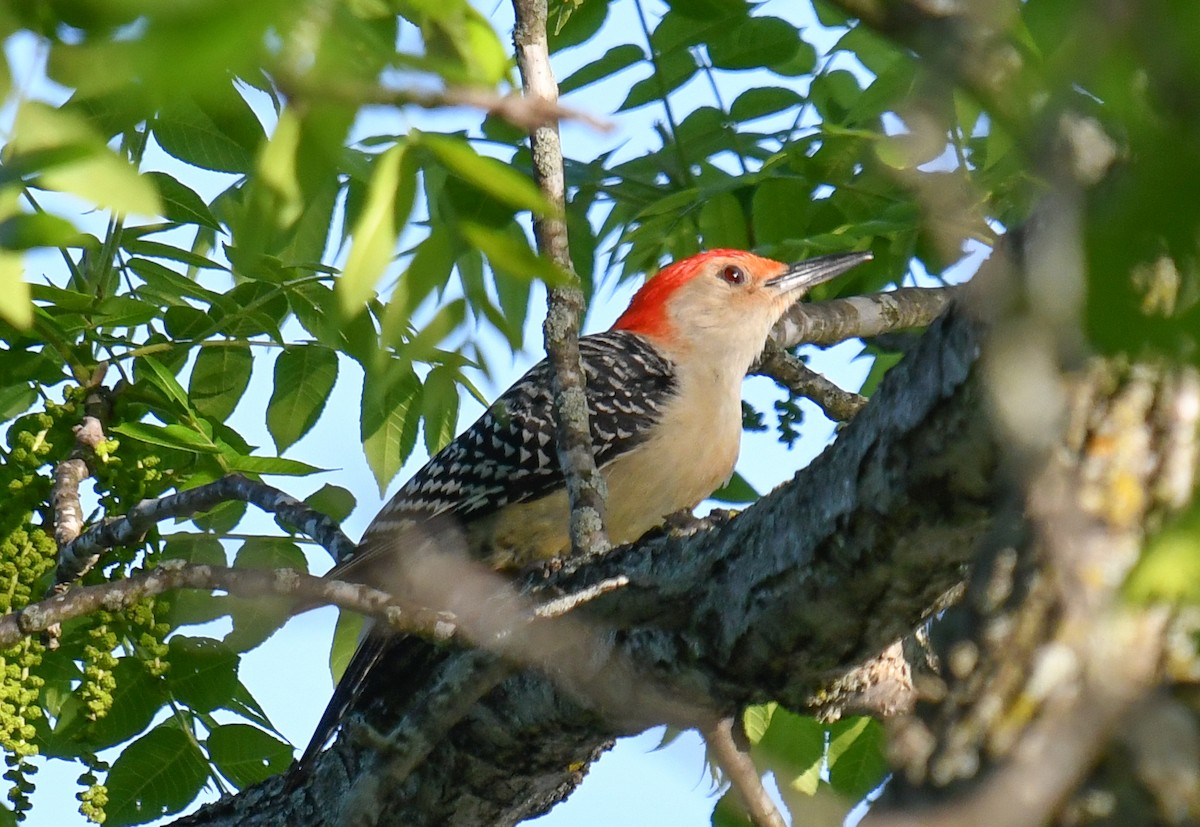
(509, 454)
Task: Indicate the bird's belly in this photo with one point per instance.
(644, 486)
(525, 533)
(658, 480)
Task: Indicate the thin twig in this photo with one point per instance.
(559, 606)
(524, 112)
(81, 553)
(729, 747)
(175, 574)
(838, 404)
(586, 488)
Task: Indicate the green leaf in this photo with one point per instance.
(270, 553)
(333, 501)
(15, 306)
(730, 812)
(277, 171)
(15, 399)
(674, 69)
(571, 22)
(497, 179)
(508, 250)
(168, 436)
(219, 378)
(158, 774)
(737, 490)
(723, 224)
(856, 759)
(485, 56)
(707, 131)
(757, 42)
(1169, 568)
(439, 408)
(389, 422)
(793, 746)
(220, 136)
(429, 270)
(69, 300)
(124, 311)
(136, 698)
(244, 704)
(756, 719)
(804, 62)
(346, 635)
(883, 362)
(613, 61)
(422, 346)
(190, 607)
(246, 755)
(834, 94)
(781, 209)
(271, 465)
(255, 620)
(253, 308)
(27, 230)
(167, 282)
(496, 129)
(375, 231)
(221, 519)
(708, 9)
(84, 164)
(203, 672)
(181, 203)
(160, 377)
(194, 548)
(184, 322)
(830, 14)
(156, 249)
(875, 52)
(304, 377)
(760, 101)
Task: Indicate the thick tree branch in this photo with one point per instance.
(1061, 658)
(830, 322)
(821, 575)
(64, 497)
(586, 489)
(836, 320)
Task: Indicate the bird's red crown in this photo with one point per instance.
(647, 312)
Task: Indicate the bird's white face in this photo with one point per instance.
(727, 309)
(717, 308)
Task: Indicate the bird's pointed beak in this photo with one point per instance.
(805, 275)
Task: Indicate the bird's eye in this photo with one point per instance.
(733, 274)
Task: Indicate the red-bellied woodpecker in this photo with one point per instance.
(664, 397)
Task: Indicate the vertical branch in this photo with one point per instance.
(585, 485)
